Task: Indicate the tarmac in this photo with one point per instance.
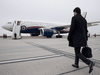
(44, 56)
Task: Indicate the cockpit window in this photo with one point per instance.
(9, 22)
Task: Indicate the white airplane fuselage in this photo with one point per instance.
(35, 28)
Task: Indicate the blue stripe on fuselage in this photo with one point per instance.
(36, 30)
(31, 30)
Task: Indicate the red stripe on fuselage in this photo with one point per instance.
(64, 31)
(34, 27)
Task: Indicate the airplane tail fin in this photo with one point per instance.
(84, 14)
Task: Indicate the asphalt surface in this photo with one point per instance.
(44, 56)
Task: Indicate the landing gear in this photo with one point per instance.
(49, 36)
(34, 34)
(59, 36)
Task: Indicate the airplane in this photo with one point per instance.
(36, 28)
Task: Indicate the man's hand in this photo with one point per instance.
(67, 38)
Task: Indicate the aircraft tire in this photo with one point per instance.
(59, 36)
(49, 36)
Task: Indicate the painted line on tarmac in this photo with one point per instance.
(29, 59)
(66, 54)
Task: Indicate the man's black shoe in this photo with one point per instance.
(76, 66)
(91, 66)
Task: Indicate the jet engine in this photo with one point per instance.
(47, 32)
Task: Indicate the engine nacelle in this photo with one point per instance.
(46, 32)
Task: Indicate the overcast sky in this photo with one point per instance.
(47, 10)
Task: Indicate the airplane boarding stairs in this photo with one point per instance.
(16, 30)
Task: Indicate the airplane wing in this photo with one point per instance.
(89, 24)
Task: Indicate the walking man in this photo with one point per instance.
(78, 38)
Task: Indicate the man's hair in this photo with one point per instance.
(77, 10)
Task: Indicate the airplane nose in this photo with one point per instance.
(4, 26)
(8, 27)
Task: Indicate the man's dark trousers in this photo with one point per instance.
(81, 56)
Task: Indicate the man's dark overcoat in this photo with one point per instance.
(78, 32)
